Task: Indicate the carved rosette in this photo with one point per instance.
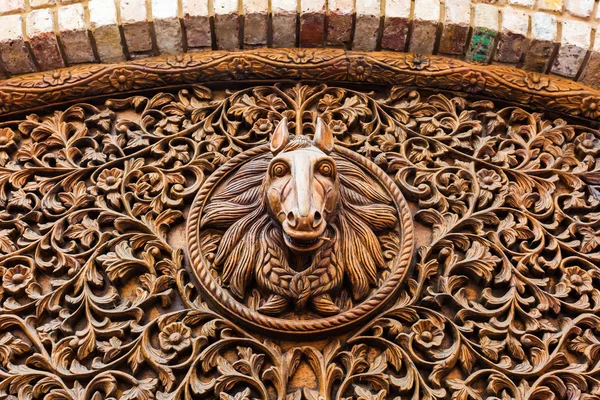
(112, 285)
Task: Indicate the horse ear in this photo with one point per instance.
(280, 136)
(323, 137)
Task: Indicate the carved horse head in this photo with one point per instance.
(302, 185)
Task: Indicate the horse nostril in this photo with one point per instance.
(291, 219)
(317, 218)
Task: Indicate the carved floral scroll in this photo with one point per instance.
(102, 297)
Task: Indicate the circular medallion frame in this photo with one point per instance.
(223, 300)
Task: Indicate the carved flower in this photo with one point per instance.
(121, 79)
(489, 180)
(416, 62)
(427, 334)
(57, 77)
(7, 137)
(240, 68)
(360, 69)
(473, 82)
(300, 56)
(17, 278)
(6, 101)
(262, 127)
(455, 185)
(578, 280)
(588, 143)
(536, 81)
(590, 107)
(271, 101)
(337, 127)
(328, 102)
(175, 337)
(110, 179)
(145, 185)
(179, 61)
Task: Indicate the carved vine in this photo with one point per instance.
(96, 301)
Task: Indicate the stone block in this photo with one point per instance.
(74, 34)
(395, 25)
(105, 29)
(550, 5)
(312, 23)
(522, 3)
(196, 20)
(486, 16)
(366, 30)
(41, 3)
(256, 23)
(13, 50)
(339, 22)
(227, 24)
(456, 27)
(513, 35)
(134, 20)
(8, 6)
(591, 72)
(538, 55)
(543, 27)
(167, 28)
(579, 8)
(425, 26)
(543, 37)
(284, 23)
(40, 31)
(575, 41)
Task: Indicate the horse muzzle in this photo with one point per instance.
(305, 234)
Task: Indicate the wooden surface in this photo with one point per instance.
(119, 251)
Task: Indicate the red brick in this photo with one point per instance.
(40, 30)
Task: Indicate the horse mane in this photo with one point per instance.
(252, 245)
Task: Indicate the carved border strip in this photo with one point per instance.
(533, 89)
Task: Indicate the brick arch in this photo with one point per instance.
(549, 36)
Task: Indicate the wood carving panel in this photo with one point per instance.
(458, 258)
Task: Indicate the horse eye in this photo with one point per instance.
(326, 169)
(279, 169)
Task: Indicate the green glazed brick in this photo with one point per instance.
(482, 45)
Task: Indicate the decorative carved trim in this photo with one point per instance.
(327, 65)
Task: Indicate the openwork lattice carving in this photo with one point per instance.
(102, 294)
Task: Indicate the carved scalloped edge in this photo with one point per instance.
(332, 65)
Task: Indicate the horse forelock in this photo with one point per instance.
(297, 143)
